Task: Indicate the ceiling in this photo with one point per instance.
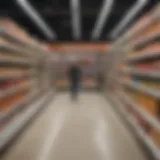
(69, 21)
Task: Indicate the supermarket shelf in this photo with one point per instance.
(8, 36)
(153, 121)
(22, 43)
(14, 108)
(146, 39)
(141, 73)
(14, 49)
(140, 87)
(8, 133)
(14, 89)
(145, 56)
(131, 33)
(139, 131)
(8, 60)
(15, 75)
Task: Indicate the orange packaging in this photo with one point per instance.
(142, 100)
(152, 106)
(7, 102)
(144, 20)
(155, 28)
(156, 137)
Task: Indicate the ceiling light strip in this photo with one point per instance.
(102, 18)
(139, 5)
(32, 13)
(75, 15)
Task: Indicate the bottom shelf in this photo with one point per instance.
(13, 128)
(141, 134)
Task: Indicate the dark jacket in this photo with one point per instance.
(75, 74)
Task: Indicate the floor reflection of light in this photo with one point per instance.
(100, 138)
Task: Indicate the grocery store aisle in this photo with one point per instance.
(88, 129)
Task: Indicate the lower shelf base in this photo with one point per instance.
(8, 135)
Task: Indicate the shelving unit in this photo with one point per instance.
(140, 87)
(25, 82)
(133, 82)
(150, 74)
(131, 120)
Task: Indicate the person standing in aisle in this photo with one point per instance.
(74, 80)
(100, 81)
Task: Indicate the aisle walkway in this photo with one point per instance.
(87, 130)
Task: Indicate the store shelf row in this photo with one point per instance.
(140, 87)
(4, 34)
(21, 120)
(146, 139)
(25, 79)
(5, 115)
(144, 56)
(140, 26)
(145, 40)
(149, 74)
(16, 74)
(14, 50)
(150, 119)
(16, 88)
(14, 60)
(135, 77)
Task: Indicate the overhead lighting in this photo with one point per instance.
(75, 15)
(102, 18)
(128, 17)
(33, 14)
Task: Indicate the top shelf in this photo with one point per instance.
(145, 40)
(7, 36)
(153, 16)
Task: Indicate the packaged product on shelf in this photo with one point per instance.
(149, 49)
(151, 84)
(141, 22)
(4, 84)
(150, 32)
(156, 137)
(12, 57)
(154, 28)
(13, 29)
(156, 65)
(144, 66)
(4, 71)
(9, 101)
(144, 125)
(148, 103)
(132, 94)
(152, 105)
(142, 100)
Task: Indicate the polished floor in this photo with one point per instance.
(88, 129)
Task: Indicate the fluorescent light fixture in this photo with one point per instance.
(102, 18)
(75, 14)
(128, 17)
(32, 13)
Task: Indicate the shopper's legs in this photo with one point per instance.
(74, 91)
